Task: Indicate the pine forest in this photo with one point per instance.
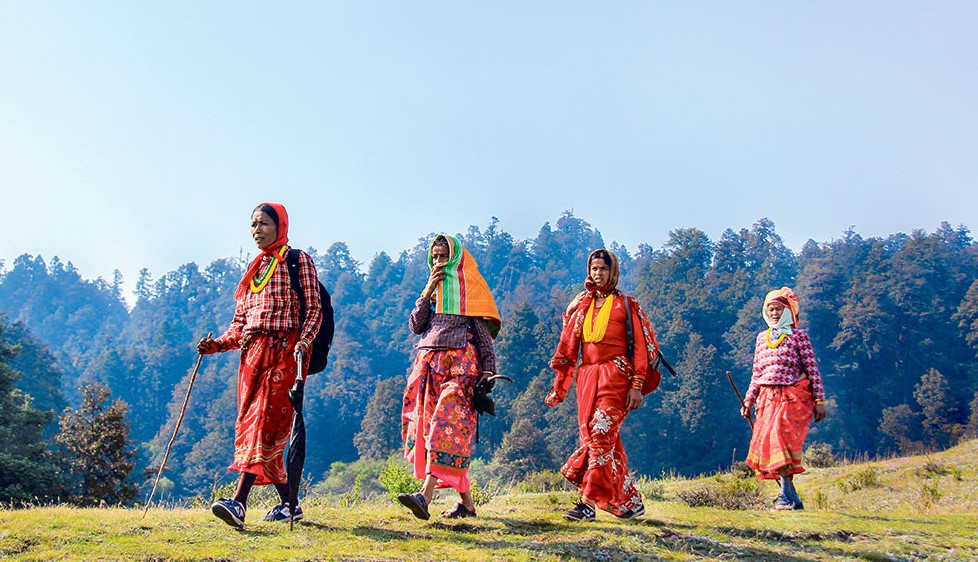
(894, 323)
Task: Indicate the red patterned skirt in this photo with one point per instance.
(438, 418)
(783, 416)
(599, 467)
(264, 422)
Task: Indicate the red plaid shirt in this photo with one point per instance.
(784, 365)
(276, 307)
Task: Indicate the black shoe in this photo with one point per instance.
(458, 512)
(416, 503)
(581, 512)
(230, 511)
(281, 512)
(632, 513)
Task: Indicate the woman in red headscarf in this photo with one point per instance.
(786, 389)
(267, 330)
(611, 381)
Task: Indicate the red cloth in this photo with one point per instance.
(438, 418)
(613, 345)
(783, 416)
(282, 238)
(599, 466)
(264, 421)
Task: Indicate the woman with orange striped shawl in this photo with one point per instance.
(611, 380)
(457, 319)
(786, 389)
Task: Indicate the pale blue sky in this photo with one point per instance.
(138, 134)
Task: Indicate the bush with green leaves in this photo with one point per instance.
(355, 496)
(725, 491)
(867, 478)
(396, 478)
(341, 478)
(741, 470)
(652, 490)
(820, 455)
(483, 495)
(543, 481)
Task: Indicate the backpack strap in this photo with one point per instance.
(292, 262)
(629, 332)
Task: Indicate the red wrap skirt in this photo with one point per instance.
(599, 466)
(783, 416)
(261, 432)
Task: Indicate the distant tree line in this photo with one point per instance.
(894, 322)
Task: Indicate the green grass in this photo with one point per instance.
(885, 520)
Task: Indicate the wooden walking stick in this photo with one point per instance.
(749, 420)
(186, 400)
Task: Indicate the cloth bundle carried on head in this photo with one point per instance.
(786, 298)
(463, 291)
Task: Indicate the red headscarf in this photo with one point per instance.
(282, 230)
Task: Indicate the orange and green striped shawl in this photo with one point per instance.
(463, 291)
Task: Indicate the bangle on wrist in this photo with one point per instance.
(817, 401)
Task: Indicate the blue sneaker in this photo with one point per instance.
(281, 512)
(230, 511)
(783, 502)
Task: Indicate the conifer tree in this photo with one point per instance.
(900, 427)
(95, 450)
(380, 431)
(522, 451)
(932, 395)
(27, 472)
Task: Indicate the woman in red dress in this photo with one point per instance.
(787, 391)
(267, 330)
(611, 381)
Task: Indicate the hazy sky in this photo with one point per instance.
(142, 134)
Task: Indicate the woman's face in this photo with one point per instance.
(774, 311)
(263, 229)
(600, 272)
(439, 254)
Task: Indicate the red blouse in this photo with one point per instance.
(276, 307)
(612, 346)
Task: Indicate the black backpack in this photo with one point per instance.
(324, 338)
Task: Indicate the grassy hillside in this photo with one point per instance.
(916, 508)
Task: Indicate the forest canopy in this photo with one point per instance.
(894, 322)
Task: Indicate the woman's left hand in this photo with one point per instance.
(301, 352)
(819, 412)
(634, 399)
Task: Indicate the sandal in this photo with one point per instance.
(458, 512)
(416, 503)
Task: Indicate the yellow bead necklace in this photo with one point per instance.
(258, 282)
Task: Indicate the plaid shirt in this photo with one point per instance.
(784, 365)
(276, 307)
(451, 331)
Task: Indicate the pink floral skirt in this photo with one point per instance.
(438, 418)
